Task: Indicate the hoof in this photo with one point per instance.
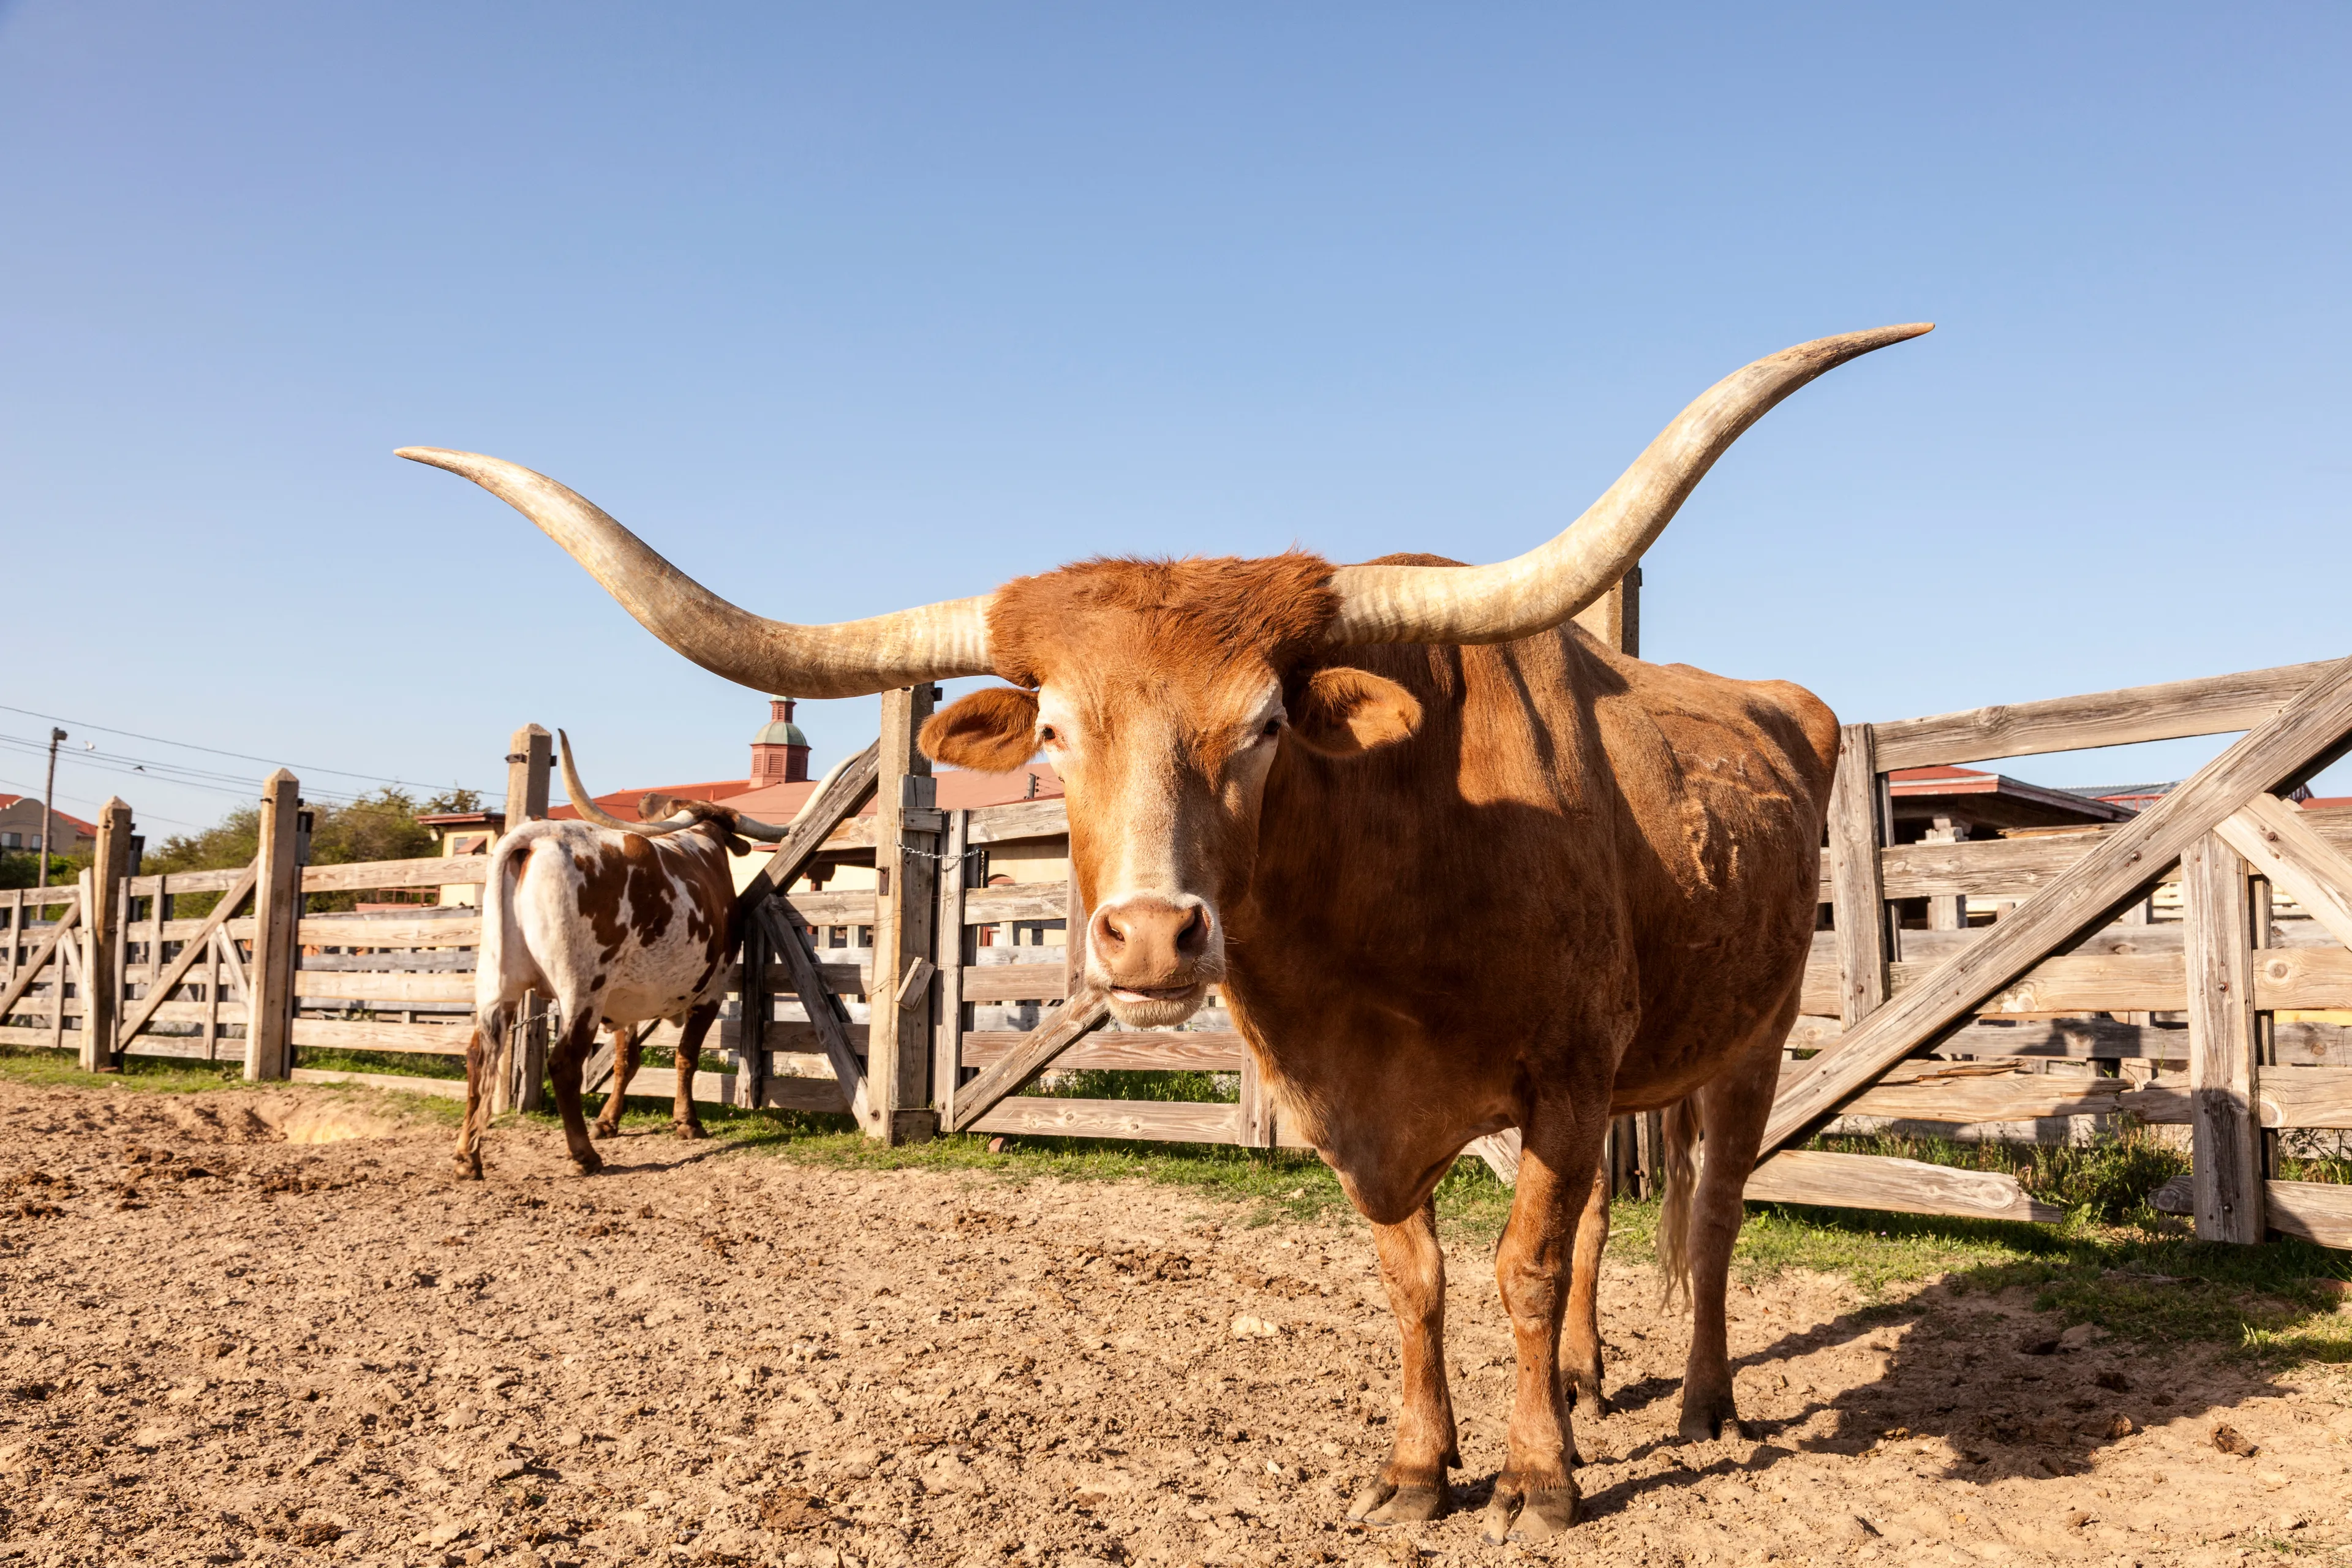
(690, 1131)
(587, 1161)
(1384, 1504)
(1524, 1514)
(1705, 1422)
(469, 1170)
(1583, 1395)
(599, 1130)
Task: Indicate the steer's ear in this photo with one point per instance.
(994, 730)
(1342, 712)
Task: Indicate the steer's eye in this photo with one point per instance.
(1273, 728)
(1046, 735)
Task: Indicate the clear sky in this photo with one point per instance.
(845, 307)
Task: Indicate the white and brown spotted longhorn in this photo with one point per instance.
(619, 924)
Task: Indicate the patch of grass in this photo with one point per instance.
(43, 1069)
(39, 1069)
(1118, 1083)
(406, 1064)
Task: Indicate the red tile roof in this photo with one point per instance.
(84, 829)
(959, 791)
(622, 803)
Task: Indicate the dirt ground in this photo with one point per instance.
(225, 1346)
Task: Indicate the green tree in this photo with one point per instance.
(378, 827)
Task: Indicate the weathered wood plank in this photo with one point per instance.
(1057, 1033)
(192, 1012)
(2306, 729)
(1858, 900)
(2315, 1211)
(2015, 1096)
(367, 1035)
(1015, 982)
(108, 933)
(368, 876)
(2283, 1098)
(850, 909)
(366, 986)
(390, 931)
(2209, 705)
(1144, 1120)
(2226, 1170)
(277, 909)
(2275, 841)
(1904, 1186)
(1021, 819)
(955, 940)
(1022, 901)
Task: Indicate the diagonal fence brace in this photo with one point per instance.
(2309, 730)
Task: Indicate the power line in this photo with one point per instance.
(103, 762)
(31, 793)
(192, 746)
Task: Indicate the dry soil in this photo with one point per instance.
(224, 1345)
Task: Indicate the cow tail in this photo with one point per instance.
(1675, 1211)
(501, 933)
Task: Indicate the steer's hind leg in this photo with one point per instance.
(1411, 1486)
(1733, 1109)
(1580, 1351)
(626, 1051)
(1559, 1152)
(481, 1061)
(564, 1065)
(682, 1118)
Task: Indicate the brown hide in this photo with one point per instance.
(634, 889)
(1572, 873)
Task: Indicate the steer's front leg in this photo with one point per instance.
(1411, 1486)
(1560, 1151)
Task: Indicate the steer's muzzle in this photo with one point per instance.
(1156, 954)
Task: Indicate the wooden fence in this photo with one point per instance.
(2076, 1003)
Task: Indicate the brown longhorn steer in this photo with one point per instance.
(619, 924)
(1454, 866)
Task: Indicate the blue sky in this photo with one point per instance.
(845, 308)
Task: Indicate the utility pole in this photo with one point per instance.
(49, 794)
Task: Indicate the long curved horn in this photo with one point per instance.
(849, 659)
(585, 803)
(1537, 591)
(752, 827)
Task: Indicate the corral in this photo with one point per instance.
(2072, 1011)
(781, 1362)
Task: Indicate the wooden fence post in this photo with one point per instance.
(751, 1027)
(276, 910)
(2225, 1172)
(1858, 885)
(953, 942)
(106, 922)
(522, 1076)
(906, 825)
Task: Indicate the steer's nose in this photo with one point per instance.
(1150, 941)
